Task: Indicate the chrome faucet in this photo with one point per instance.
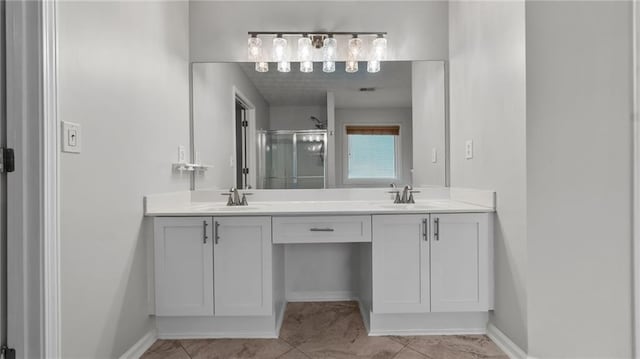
(407, 195)
(234, 197)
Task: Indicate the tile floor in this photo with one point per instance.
(328, 330)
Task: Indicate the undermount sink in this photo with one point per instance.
(406, 206)
(224, 208)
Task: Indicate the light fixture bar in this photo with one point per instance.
(311, 33)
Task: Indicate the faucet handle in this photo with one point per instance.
(411, 192)
(244, 202)
(230, 199)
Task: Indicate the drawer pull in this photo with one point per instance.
(321, 229)
(217, 234)
(204, 231)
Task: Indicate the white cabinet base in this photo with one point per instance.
(220, 327)
(428, 323)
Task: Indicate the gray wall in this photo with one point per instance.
(214, 119)
(428, 122)
(372, 116)
(579, 169)
(295, 117)
(124, 77)
(219, 27)
(487, 104)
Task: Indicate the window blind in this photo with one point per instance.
(373, 130)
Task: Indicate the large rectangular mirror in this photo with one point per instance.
(275, 130)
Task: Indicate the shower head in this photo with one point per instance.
(319, 123)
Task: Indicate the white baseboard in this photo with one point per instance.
(280, 318)
(453, 331)
(141, 345)
(218, 335)
(364, 313)
(321, 296)
(509, 347)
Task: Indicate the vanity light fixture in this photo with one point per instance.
(254, 48)
(304, 54)
(280, 54)
(329, 50)
(318, 46)
(378, 54)
(355, 45)
(262, 66)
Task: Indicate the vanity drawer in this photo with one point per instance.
(322, 229)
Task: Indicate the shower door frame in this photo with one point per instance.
(294, 151)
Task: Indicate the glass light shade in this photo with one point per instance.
(304, 54)
(254, 49)
(351, 66)
(329, 50)
(355, 46)
(262, 66)
(329, 66)
(279, 49)
(306, 66)
(284, 66)
(373, 66)
(304, 49)
(379, 49)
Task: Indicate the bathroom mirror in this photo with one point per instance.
(293, 130)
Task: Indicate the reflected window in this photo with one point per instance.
(372, 152)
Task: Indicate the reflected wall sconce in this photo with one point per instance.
(317, 47)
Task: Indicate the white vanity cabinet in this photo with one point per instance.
(400, 264)
(432, 263)
(183, 266)
(242, 266)
(218, 266)
(461, 268)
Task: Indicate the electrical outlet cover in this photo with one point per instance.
(71, 137)
(468, 149)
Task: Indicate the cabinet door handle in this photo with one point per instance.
(424, 230)
(321, 229)
(217, 234)
(436, 230)
(204, 232)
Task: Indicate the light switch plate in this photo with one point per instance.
(182, 154)
(71, 137)
(434, 155)
(468, 149)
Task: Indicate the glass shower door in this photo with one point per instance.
(279, 171)
(310, 159)
(292, 159)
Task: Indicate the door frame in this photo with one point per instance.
(51, 208)
(250, 117)
(33, 242)
(636, 178)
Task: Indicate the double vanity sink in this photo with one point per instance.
(415, 268)
(318, 207)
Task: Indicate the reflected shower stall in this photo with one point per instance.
(292, 159)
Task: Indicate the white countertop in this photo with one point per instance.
(315, 208)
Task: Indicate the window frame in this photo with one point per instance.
(371, 182)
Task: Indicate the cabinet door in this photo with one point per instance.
(459, 262)
(242, 266)
(400, 264)
(183, 266)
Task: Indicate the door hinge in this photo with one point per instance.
(245, 123)
(245, 171)
(7, 353)
(7, 160)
